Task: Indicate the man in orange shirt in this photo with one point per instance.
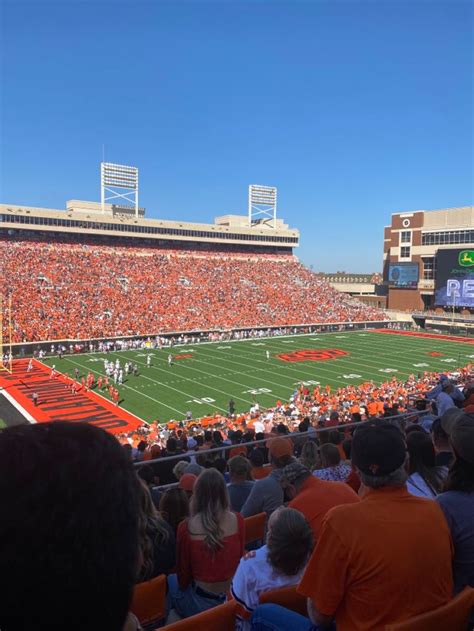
(314, 497)
(379, 561)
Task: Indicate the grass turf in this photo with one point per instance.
(216, 372)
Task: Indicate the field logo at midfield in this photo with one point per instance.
(466, 258)
(312, 354)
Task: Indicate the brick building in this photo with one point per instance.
(416, 238)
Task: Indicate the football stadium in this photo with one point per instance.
(206, 424)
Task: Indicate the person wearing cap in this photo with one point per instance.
(457, 502)
(267, 494)
(187, 482)
(379, 561)
(314, 497)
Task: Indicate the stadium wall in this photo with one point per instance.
(26, 349)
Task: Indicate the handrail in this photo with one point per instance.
(309, 433)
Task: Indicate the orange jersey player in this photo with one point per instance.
(83, 383)
(106, 383)
(99, 383)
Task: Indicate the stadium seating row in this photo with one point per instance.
(72, 291)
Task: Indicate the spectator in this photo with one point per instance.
(457, 502)
(266, 494)
(444, 452)
(258, 470)
(313, 497)
(333, 469)
(388, 556)
(425, 478)
(174, 507)
(147, 474)
(240, 485)
(187, 483)
(210, 545)
(310, 455)
(179, 468)
(157, 540)
(277, 564)
(72, 498)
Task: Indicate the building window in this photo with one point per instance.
(405, 252)
(450, 237)
(429, 268)
(405, 236)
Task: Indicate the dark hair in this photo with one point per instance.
(146, 473)
(207, 436)
(460, 476)
(171, 444)
(220, 464)
(256, 457)
(330, 455)
(217, 437)
(282, 429)
(174, 507)
(72, 498)
(422, 459)
(289, 541)
(335, 437)
(240, 467)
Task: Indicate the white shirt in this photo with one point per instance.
(254, 576)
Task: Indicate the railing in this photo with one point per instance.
(295, 435)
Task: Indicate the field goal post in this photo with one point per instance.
(6, 344)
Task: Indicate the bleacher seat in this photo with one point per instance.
(255, 528)
(220, 618)
(453, 616)
(149, 601)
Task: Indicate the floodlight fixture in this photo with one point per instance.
(114, 180)
(262, 205)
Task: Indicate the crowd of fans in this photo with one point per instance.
(373, 521)
(73, 291)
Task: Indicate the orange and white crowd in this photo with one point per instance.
(71, 291)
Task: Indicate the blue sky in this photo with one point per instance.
(354, 110)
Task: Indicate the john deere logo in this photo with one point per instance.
(466, 258)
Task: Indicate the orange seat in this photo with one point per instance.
(453, 616)
(220, 618)
(286, 597)
(255, 527)
(149, 601)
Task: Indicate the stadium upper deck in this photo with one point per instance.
(118, 224)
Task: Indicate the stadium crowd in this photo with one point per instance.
(73, 291)
(392, 540)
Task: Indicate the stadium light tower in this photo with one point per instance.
(262, 205)
(114, 180)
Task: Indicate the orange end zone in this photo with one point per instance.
(56, 402)
(436, 336)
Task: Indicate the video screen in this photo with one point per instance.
(454, 278)
(403, 275)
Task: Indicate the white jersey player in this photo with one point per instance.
(148, 361)
(267, 354)
(170, 360)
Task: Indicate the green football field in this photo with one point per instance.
(210, 374)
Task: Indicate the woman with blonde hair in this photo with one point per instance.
(209, 547)
(310, 455)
